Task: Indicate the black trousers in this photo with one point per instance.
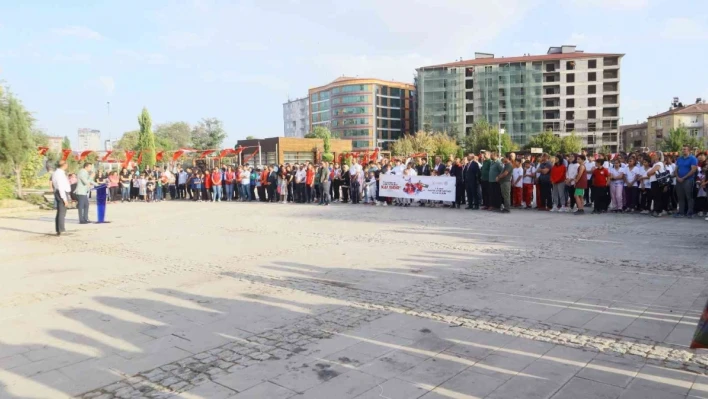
(335, 188)
(546, 196)
(601, 198)
(645, 199)
(495, 195)
(570, 193)
(459, 193)
(61, 213)
(300, 189)
(181, 191)
(588, 196)
(262, 194)
(472, 197)
(345, 194)
(659, 197)
(485, 193)
(271, 193)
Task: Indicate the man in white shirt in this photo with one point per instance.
(61, 186)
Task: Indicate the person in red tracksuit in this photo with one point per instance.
(206, 188)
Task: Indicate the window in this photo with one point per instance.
(488, 69)
(351, 99)
(592, 114)
(653, 123)
(469, 107)
(350, 121)
(469, 84)
(355, 88)
(395, 92)
(360, 143)
(592, 102)
(551, 103)
(396, 113)
(591, 139)
(570, 90)
(570, 65)
(298, 157)
(351, 110)
(395, 124)
(659, 123)
(693, 132)
(592, 127)
(570, 103)
(355, 132)
(570, 115)
(637, 143)
(592, 89)
(570, 78)
(592, 64)
(469, 95)
(592, 76)
(395, 102)
(383, 112)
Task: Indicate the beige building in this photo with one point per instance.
(693, 118)
(563, 91)
(55, 143)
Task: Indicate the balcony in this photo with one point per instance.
(610, 88)
(610, 75)
(610, 112)
(551, 104)
(610, 62)
(609, 100)
(552, 91)
(550, 116)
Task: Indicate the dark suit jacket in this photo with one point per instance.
(456, 170)
(440, 169)
(472, 173)
(423, 170)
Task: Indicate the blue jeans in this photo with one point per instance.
(217, 193)
(244, 192)
(125, 193)
(158, 193)
(229, 191)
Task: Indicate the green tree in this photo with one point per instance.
(677, 139)
(208, 134)
(129, 141)
(547, 141)
(251, 138)
(445, 145)
(571, 144)
(321, 132)
(420, 142)
(484, 136)
(66, 144)
(16, 143)
(173, 135)
(146, 140)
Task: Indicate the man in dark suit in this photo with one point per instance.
(439, 166)
(456, 170)
(471, 177)
(423, 168)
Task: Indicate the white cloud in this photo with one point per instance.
(107, 83)
(613, 4)
(684, 28)
(80, 32)
(185, 40)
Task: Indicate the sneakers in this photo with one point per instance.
(564, 209)
(690, 215)
(579, 212)
(554, 209)
(678, 216)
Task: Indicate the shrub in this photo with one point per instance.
(7, 190)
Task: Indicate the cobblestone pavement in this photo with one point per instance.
(178, 300)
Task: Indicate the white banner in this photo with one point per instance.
(437, 188)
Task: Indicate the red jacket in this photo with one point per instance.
(557, 174)
(207, 181)
(216, 178)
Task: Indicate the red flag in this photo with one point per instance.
(140, 158)
(105, 157)
(177, 154)
(83, 155)
(65, 154)
(250, 156)
(375, 155)
(204, 153)
(225, 152)
(128, 157)
(158, 156)
(43, 150)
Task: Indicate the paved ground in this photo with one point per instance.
(182, 300)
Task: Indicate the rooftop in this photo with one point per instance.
(525, 58)
(632, 127)
(699, 108)
(343, 80)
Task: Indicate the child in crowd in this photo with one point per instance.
(529, 174)
(150, 189)
(600, 181)
(197, 182)
(517, 184)
(142, 186)
(617, 185)
(370, 189)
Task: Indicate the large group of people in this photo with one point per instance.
(623, 183)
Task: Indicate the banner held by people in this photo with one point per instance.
(436, 188)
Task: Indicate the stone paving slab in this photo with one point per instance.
(406, 302)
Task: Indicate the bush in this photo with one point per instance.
(328, 157)
(7, 189)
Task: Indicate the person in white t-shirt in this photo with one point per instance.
(589, 167)
(658, 193)
(570, 174)
(644, 186)
(528, 183)
(631, 176)
(517, 184)
(617, 185)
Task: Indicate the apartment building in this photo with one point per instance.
(296, 119)
(89, 139)
(372, 113)
(634, 137)
(564, 91)
(693, 118)
(55, 143)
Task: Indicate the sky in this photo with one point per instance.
(240, 61)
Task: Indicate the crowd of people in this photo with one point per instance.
(622, 183)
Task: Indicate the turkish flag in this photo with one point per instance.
(158, 156)
(83, 155)
(177, 154)
(128, 157)
(204, 153)
(105, 157)
(65, 154)
(43, 150)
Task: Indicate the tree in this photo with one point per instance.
(208, 134)
(445, 145)
(173, 135)
(129, 141)
(251, 138)
(484, 136)
(677, 139)
(146, 140)
(431, 143)
(66, 144)
(547, 141)
(571, 144)
(16, 143)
